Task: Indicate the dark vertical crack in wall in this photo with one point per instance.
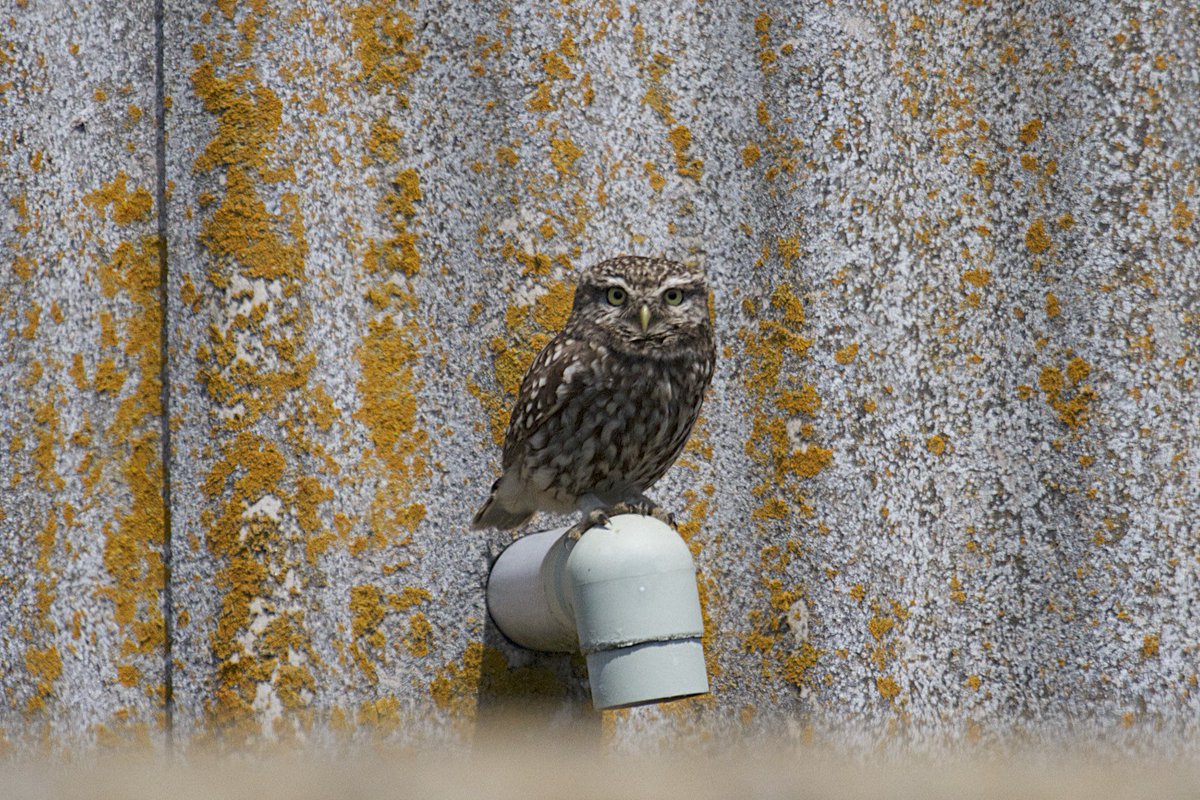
(160, 158)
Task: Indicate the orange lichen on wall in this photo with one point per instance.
(887, 687)
(563, 155)
(136, 535)
(655, 67)
(771, 349)
(1069, 395)
(1036, 238)
(846, 354)
(388, 408)
(369, 608)
(390, 351)
(1181, 216)
(256, 372)
(127, 206)
(883, 626)
(1150, 646)
(776, 631)
(44, 665)
(1029, 131)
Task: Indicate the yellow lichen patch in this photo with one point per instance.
(77, 372)
(419, 641)
(263, 494)
(310, 493)
(887, 687)
(390, 351)
(751, 154)
(657, 181)
(680, 138)
(1150, 646)
(382, 716)
(779, 449)
(248, 120)
(775, 340)
(846, 354)
(885, 621)
(127, 206)
(49, 437)
(880, 626)
(804, 400)
(540, 100)
(409, 597)
(385, 46)
(242, 229)
(23, 267)
(1053, 309)
(1030, 130)
(1036, 238)
(697, 511)
(33, 316)
(657, 97)
(789, 252)
(1073, 406)
(133, 554)
(455, 687)
(366, 614)
(936, 444)
(1181, 216)
(1078, 370)
(797, 665)
(44, 665)
(388, 408)
(556, 68)
(977, 277)
(776, 633)
(384, 140)
(563, 155)
(250, 470)
(506, 156)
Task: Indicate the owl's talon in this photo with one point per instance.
(646, 509)
(593, 519)
(663, 516)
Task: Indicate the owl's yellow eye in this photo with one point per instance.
(673, 297)
(616, 296)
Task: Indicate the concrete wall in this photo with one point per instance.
(944, 485)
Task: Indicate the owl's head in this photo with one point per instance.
(646, 306)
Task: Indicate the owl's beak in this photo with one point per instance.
(644, 316)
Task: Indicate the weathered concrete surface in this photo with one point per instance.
(940, 495)
(82, 645)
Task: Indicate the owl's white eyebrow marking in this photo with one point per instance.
(609, 281)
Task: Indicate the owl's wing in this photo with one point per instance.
(557, 375)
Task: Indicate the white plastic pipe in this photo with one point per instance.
(625, 595)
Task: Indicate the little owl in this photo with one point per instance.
(608, 404)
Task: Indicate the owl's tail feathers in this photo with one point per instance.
(495, 515)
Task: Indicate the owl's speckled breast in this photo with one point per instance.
(620, 434)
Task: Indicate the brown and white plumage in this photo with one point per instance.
(608, 404)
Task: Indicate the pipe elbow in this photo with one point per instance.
(625, 595)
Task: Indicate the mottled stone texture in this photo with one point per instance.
(82, 635)
(941, 492)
